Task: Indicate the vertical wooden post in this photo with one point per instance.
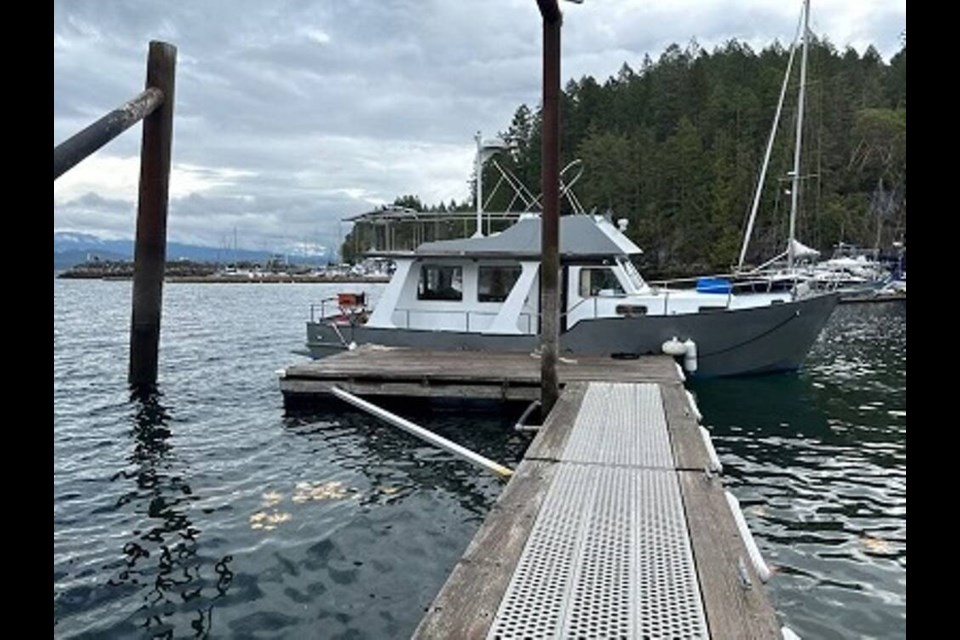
(550, 220)
(151, 244)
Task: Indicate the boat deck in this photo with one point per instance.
(611, 527)
(394, 371)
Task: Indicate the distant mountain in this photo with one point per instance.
(71, 248)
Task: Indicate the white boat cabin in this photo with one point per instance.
(491, 284)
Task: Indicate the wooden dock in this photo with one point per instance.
(611, 527)
(614, 524)
(394, 371)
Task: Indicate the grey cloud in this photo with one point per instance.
(332, 106)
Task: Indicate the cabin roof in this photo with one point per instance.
(581, 236)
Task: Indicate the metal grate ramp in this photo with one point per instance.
(620, 424)
(608, 557)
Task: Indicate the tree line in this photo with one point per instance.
(675, 146)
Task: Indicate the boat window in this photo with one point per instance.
(440, 282)
(632, 274)
(599, 281)
(631, 310)
(494, 283)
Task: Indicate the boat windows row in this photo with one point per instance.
(494, 283)
(445, 282)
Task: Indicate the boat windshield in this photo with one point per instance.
(636, 281)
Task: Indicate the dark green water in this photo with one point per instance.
(818, 461)
(206, 511)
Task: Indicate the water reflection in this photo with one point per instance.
(162, 560)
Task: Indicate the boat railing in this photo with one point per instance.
(318, 310)
(469, 317)
(338, 307)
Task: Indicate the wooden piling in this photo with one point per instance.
(151, 241)
(550, 220)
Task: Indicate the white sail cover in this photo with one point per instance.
(801, 250)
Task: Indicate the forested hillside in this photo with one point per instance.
(675, 145)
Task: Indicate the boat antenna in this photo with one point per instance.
(485, 149)
(766, 157)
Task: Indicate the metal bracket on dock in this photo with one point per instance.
(743, 574)
(519, 426)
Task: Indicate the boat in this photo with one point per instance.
(482, 293)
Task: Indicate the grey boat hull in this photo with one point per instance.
(729, 342)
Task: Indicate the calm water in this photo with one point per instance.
(205, 511)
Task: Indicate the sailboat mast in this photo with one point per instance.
(795, 191)
(479, 171)
(766, 155)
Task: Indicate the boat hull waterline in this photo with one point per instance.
(755, 340)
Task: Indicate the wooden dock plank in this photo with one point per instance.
(310, 388)
(460, 374)
(689, 452)
(467, 604)
(733, 612)
(552, 436)
(406, 363)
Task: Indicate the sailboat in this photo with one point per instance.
(794, 276)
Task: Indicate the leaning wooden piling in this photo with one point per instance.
(155, 107)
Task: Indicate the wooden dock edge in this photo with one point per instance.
(468, 601)
(735, 609)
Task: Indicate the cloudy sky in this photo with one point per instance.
(291, 115)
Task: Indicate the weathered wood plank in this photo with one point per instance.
(732, 611)
(461, 374)
(689, 451)
(307, 387)
(468, 602)
(553, 434)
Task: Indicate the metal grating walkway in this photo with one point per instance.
(609, 554)
(620, 424)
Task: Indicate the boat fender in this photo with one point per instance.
(693, 406)
(763, 571)
(674, 347)
(351, 346)
(690, 355)
(715, 464)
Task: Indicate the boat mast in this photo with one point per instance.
(479, 170)
(795, 191)
(766, 156)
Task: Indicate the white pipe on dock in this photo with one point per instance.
(763, 571)
(422, 433)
